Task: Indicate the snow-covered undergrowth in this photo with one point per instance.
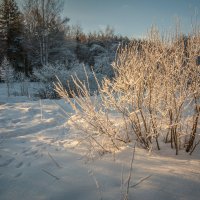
(38, 160)
(49, 74)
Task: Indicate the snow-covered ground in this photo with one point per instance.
(37, 161)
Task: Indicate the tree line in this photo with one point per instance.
(36, 35)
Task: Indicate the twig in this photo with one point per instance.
(41, 111)
(194, 147)
(50, 174)
(130, 174)
(56, 163)
(122, 180)
(141, 180)
(96, 183)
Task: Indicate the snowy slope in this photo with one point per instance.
(37, 161)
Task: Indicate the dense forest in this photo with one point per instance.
(35, 35)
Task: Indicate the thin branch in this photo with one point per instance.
(56, 163)
(50, 174)
(141, 180)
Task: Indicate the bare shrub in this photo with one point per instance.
(154, 96)
(92, 118)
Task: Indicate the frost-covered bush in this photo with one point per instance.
(51, 73)
(83, 73)
(96, 49)
(153, 98)
(103, 65)
(7, 74)
(46, 91)
(82, 52)
(103, 60)
(24, 83)
(47, 75)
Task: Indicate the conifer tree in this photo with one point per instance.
(11, 28)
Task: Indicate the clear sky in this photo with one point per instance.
(131, 18)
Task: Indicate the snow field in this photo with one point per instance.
(38, 161)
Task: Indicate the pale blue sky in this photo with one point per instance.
(131, 17)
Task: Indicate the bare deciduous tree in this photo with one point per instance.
(43, 22)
